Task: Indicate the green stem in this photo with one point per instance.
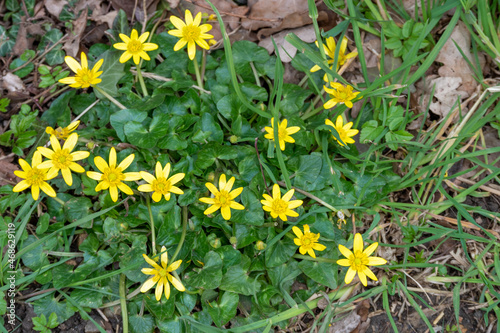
(153, 233)
(123, 302)
(293, 312)
(197, 72)
(108, 96)
(59, 201)
(281, 161)
(328, 260)
(183, 235)
(141, 80)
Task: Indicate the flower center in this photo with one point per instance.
(62, 159)
(358, 261)
(308, 240)
(223, 199)
(134, 46)
(161, 185)
(191, 33)
(36, 177)
(113, 176)
(162, 272)
(282, 133)
(279, 206)
(84, 77)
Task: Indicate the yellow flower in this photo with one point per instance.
(279, 206)
(135, 47)
(34, 177)
(359, 260)
(112, 175)
(345, 131)
(63, 132)
(283, 132)
(161, 275)
(330, 52)
(161, 184)
(340, 94)
(223, 199)
(307, 241)
(63, 159)
(190, 33)
(84, 77)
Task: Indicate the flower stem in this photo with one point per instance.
(141, 80)
(59, 201)
(197, 72)
(153, 234)
(108, 96)
(328, 260)
(123, 302)
(183, 235)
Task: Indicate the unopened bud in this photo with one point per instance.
(90, 145)
(233, 139)
(214, 241)
(212, 42)
(260, 245)
(233, 240)
(211, 177)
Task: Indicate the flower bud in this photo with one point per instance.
(233, 139)
(233, 240)
(211, 177)
(91, 145)
(260, 245)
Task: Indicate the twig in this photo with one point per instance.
(202, 5)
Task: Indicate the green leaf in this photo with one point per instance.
(43, 224)
(370, 131)
(230, 106)
(141, 324)
(238, 280)
(210, 275)
(253, 91)
(223, 310)
(307, 175)
(64, 275)
(3, 303)
(321, 272)
(50, 304)
(122, 117)
(407, 28)
(52, 322)
(112, 72)
(253, 213)
(58, 107)
(280, 252)
(293, 99)
(209, 127)
(36, 258)
(163, 309)
(87, 298)
(146, 136)
(246, 51)
(77, 208)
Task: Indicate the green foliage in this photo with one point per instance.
(43, 325)
(21, 133)
(402, 40)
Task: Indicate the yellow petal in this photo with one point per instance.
(66, 173)
(235, 205)
(362, 278)
(345, 251)
(147, 177)
(167, 288)
(85, 63)
(144, 37)
(113, 191)
(297, 232)
(149, 46)
(276, 192)
(125, 57)
(125, 163)
(120, 46)
(21, 186)
(369, 273)
(131, 176)
(145, 188)
(370, 249)
(226, 213)
(71, 142)
(212, 188)
(156, 196)
(376, 261)
(180, 44)
(344, 262)
(159, 289)
(191, 50)
(134, 35)
(72, 64)
(174, 266)
(46, 152)
(176, 283)
(189, 17)
(234, 193)
(79, 155)
(149, 283)
(351, 273)
(358, 243)
(125, 188)
(94, 175)
(177, 22)
(211, 209)
(151, 262)
(330, 104)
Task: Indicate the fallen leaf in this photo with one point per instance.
(446, 92)
(274, 11)
(346, 324)
(55, 7)
(7, 172)
(454, 64)
(12, 83)
(173, 3)
(286, 50)
(294, 20)
(73, 44)
(21, 40)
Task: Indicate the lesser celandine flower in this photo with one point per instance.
(223, 198)
(135, 47)
(190, 33)
(283, 132)
(345, 131)
(308, 241)
(112, 176)
(62, 158)
(161, 275)
(279, 206)
(34, 177)
(63, 132)
(330, 52)
(84, 77)
(161, 185)
(339, 94)
(358, 260)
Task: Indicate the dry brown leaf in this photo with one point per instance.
(7, 172)
(346, 324)
(446, 92)
(12, 83)
(107, 19)
(272, 10)
(173, 3)
(55, 7)
(294, 20)
(21, 40)
(73, 44)
(287, 50)
(454, 63)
